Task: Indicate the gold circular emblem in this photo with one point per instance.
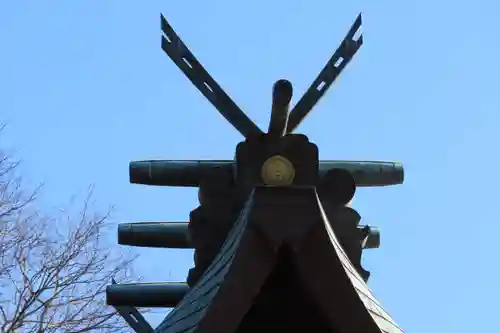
(277, 171)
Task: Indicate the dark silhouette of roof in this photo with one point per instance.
(280, 260)
(284, 267)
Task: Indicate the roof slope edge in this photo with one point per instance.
(329, 275)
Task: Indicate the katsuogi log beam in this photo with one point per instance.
(175, 235)
(155, 234)
(190, 173)
(149, 295)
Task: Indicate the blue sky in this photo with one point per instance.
(85, 88)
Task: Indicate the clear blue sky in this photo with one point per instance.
(86, 88)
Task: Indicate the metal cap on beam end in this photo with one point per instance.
(163, 295)
(282, 96)
(400, 172)
(139, 172)
(372, 237)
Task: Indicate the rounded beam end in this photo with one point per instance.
(338, 185)
(282, 92)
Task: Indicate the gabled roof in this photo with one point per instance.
(274, 219)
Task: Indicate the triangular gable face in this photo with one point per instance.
(263, 290)
(284, 304)
(281, 264)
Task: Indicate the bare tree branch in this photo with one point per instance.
(54, 269)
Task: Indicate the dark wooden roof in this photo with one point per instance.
(281, 260)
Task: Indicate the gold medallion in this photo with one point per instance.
(277, 171)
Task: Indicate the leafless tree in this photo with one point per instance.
(54, 269)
